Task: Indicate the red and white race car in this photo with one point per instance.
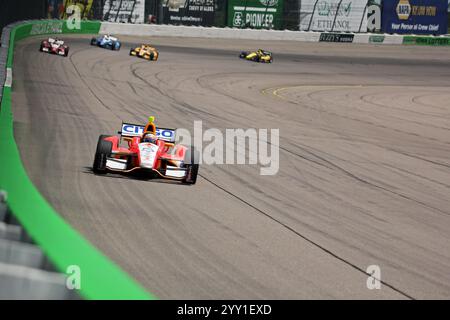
(150, 150)
(54, 46)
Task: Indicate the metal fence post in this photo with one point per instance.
(244, 24)
(362, 18)
(312, 15)
(336, 14)
(265, 13)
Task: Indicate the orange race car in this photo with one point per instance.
(145, 51)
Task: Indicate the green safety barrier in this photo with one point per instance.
(65, 247)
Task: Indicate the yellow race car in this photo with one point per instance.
(145, 51)
(257, 56)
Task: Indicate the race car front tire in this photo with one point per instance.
(66, 52)
(93, 42)
(104, 149)
(191, 174)
(191, 162)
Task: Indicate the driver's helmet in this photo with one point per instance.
(149, 137)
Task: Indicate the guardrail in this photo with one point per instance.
(25, 271)
(100, 278)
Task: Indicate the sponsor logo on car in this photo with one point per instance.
(133, 130)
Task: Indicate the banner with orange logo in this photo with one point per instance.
(415, 16)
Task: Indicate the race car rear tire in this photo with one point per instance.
(191, 162)
(152, 56)
(104, 149)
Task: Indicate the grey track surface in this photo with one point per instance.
(364, 173)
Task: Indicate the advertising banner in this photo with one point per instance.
(333, 15)
(415, 16)
(57, 9)
(426, 40)
(128, 11)
(255, 14)
(336, 37)
(188, 12)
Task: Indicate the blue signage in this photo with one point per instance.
(415, 16)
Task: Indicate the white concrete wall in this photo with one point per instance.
(230, 33)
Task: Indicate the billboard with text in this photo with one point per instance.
(188, 12)
(127, 11)
(333, 15)
(415, 16)
(255, 14)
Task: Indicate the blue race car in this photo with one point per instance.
(106, 42)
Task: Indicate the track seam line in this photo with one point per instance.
(317, 245)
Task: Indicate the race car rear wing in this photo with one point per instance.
(130, 130)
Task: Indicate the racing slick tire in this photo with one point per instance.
(66, 52)
(191, 159)
(104, 149)
(131, 52)
(152, 56)
(243, 55)
(93, 42)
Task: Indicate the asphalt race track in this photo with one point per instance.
(364, 175)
